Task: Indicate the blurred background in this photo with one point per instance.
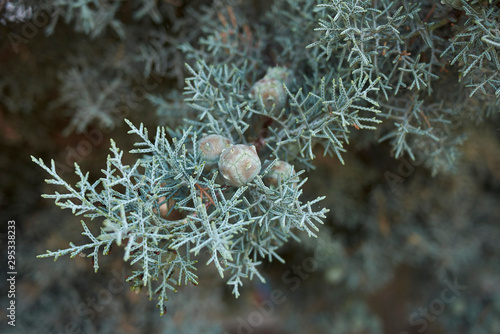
(401, 251)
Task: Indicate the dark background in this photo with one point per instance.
(395, 239)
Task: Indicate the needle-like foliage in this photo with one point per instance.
(235, 228)
(333, 69)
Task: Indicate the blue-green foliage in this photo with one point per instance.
(476, 48)
(236, 227)
(128, 46)
(391, 67)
